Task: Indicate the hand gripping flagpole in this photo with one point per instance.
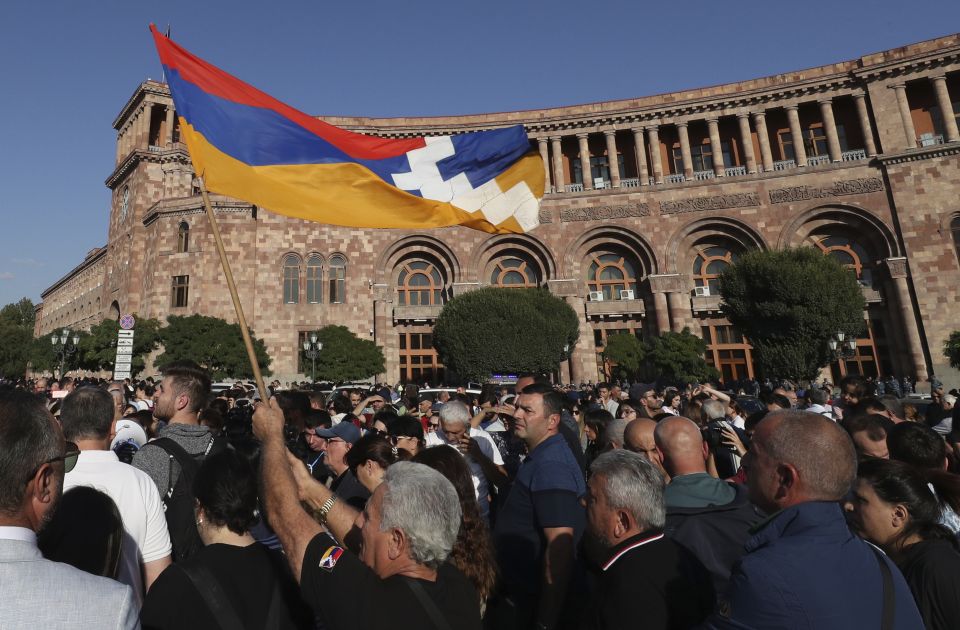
(241, 320)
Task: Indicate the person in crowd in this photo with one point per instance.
(86, 532)
(606, 401)
(944, 425)
(316, 446)
(473, 552)
(233, 581)
(183, 442)
(595, 423)
(406, 432)
(869, 434)
(710, 517)
(629, 410)
(799, 466)
(638, 437)
(87, 421)
(613, 435)
(370, 457)
(921, 447)
(119, 394)
(815, 400)
(894, 507)
(852, 389)
(339, 441)
(645, 577)
(39, 593)
(482, 455)
(541, 522)
(408, 528)
(672, 402)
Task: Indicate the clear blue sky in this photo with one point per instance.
(69, 66)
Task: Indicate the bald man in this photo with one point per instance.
(803, 568)
(709, 516)
(638, 437)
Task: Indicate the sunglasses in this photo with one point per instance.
(70, 456)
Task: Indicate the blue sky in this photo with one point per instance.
(68, 67)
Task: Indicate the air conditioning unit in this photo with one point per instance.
(596, 296)
(626, 294)
(701, 291)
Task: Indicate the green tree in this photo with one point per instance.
(45, 356)
(679, 357)
(21, 313)
(511, 330)
(98, 351)
(951, 349)
(788, 304)
(627, 353)
(16, 338)
(213, 343)
(346, 357)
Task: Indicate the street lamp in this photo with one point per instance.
(63, 347)
(312, 348)
(842, 347)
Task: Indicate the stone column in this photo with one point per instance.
(685, 150)
(865, 127)
(746, 141)
(381, 317)
(830, 127)
(653, 135)
(908, 131)
(641, 152)
(612, 162)
(799, 151)
(545, 156)
(169, 126)
(557, 164)
(565, 371)
(144, 133)
(766, 155)
(663, 315)
(585, 161)
(946, 108)
(719, 168)
(898, 273)
(584, 347)
(677, 310)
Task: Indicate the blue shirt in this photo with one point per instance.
(546, 493)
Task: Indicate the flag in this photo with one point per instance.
(248, 145)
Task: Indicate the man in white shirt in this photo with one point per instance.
(87, 419)
(483, 458)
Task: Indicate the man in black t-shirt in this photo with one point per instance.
(408, 528)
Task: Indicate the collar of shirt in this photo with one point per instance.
(630, 544)
(544, 446)
(18, 533)
(96, 457)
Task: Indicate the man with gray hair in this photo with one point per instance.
(481, 453)
(644, 575)
(408, 529)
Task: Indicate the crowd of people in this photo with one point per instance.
(531, 505)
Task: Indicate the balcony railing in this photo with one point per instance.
(852, 156)
(817, 160)
(154, 148)
(783, 165)
(698, 175)
(574, 188)
(674, 179)
(601, 184)
(630, 182)
(735, 171)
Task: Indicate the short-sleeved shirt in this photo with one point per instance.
(346, 594)
(545, 494)
(489, 449)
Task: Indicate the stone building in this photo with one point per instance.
(647, 200)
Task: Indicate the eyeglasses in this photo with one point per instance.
(70, 456)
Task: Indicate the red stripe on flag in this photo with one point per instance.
(212, 79)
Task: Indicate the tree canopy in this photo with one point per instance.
(627, 353)
(951, 349)
(98, 350)
(213, 343)
(16, 337)
(678, 357)
(494, 330)
(346, 357)
(788, 304)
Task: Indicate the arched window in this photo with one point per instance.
(314, 280)
(850, 254)
(419, 284)
(611, 273)
(707, 265)
(291, 279)
(515, 272)
(183, 237)
(338, 279)
(955, 231)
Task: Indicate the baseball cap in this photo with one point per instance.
(346, 431)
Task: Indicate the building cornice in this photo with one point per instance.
(95, 256)
(920, 153)
(187, 206)
(156, 155)
(139, 94)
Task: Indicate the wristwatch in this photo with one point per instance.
(325, 510)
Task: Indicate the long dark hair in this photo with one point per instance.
(898, 483)
(473, 551)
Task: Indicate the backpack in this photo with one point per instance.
(178, 500)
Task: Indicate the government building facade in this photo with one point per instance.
(646, 201)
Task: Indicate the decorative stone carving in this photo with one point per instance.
(698, 204)
(897, 267)
(600, 213)
(667, 283)
(839, 189)
(545, 216)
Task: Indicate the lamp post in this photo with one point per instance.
(311, 349)
(64, 345)
(842, 347)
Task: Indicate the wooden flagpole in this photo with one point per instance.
(247, 341)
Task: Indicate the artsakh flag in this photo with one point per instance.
(249, 145)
